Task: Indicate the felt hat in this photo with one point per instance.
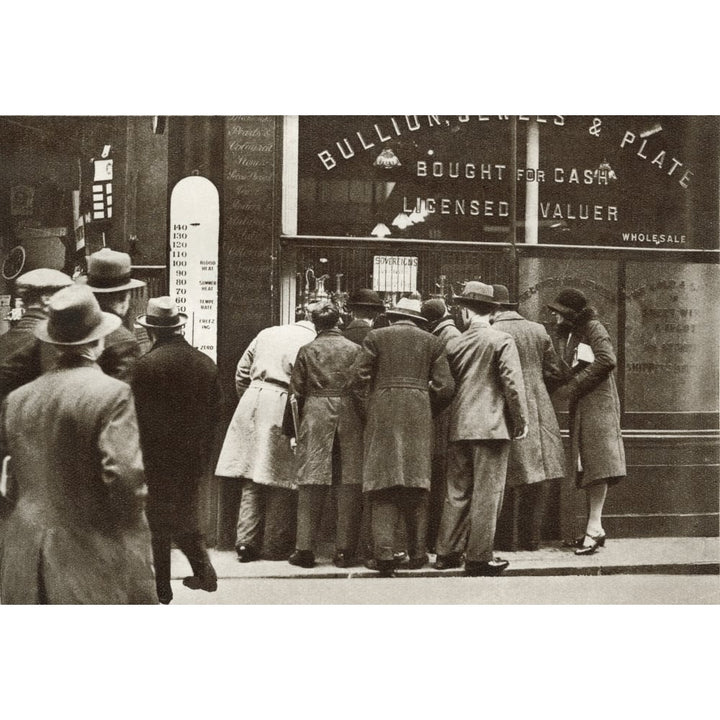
(502, 296)
(476, 292)
(162, 313)
(366, 297)
(109, 271)
(407, 308)
(434, 310)
(75, 318)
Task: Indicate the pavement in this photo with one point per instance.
(627, 556)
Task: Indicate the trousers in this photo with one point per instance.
(193, 547)
(388, 505)
(312, 500)
(476, 473)
(267, 519)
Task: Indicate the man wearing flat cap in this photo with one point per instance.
(540, 457)
(488, 409)
(22, 356)
(403, 375)
(177, 396)
(76, 532)
(109, 277)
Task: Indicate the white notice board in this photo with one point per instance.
(394, 274)
(194, 229)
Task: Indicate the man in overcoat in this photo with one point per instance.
(441, 324)
(177, 396)
(256, 452)
(77, 531)
(406, 375)
(489, 408)
(540, 456)
(22, 356)
(330, 443)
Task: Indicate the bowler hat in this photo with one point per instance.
(42, 279)
(367, 297)
(502, 296)
(475, 293)
(407, 308)
(75, 318)
(568, 303)
(434, 310)
(109, 271)
(162, 313)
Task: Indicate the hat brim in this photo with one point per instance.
(406, 315)
(375, 306)
(462, 300)
(108, 324)
(563, 310)
(142, 320)
(129, 285)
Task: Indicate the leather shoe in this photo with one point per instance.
(386, 568)
(246, 553)
(446, 562)
(400, 556)
(417, 562)
(302, 558)
(193, 582)
(343, 559)
(492, 568)
(580, 542)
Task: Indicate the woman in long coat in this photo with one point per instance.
(598, 453)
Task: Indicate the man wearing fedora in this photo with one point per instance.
(77, 531)
(540, 456)
(489, 408)
(364, 306)
(403, 375)
(177, 396)
(109, 277)
(22, 356)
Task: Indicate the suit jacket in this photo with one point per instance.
(177, 396)
(540, 456)
(489, 401)
(77, 531)
(405, 372)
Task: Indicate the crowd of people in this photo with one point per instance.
(405, 423)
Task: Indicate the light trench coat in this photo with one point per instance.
(255, 447)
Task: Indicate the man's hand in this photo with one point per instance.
(522, 434)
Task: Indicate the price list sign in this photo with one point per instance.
(194, 228)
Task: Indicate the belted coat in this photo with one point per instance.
(320, 381)
(540, 456)
(405, 374)
(254, 446)
(76, 532)
(594, 404)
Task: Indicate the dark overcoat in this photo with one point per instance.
(320, 380)
(540, 456)
(594, 405)
(77, 531)
(406, 373)
(177, 396)
(356, 331)
(446, 330)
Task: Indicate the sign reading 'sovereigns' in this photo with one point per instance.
(630, 181)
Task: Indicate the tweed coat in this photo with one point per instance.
(406, 375)
(594, 404)
(320, 381)
(77, 531)
(489, 402)
(255, 447)
(177, 398)
(446, 330)
(540, 456)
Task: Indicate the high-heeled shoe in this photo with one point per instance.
(580, 542)
(592, 548)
